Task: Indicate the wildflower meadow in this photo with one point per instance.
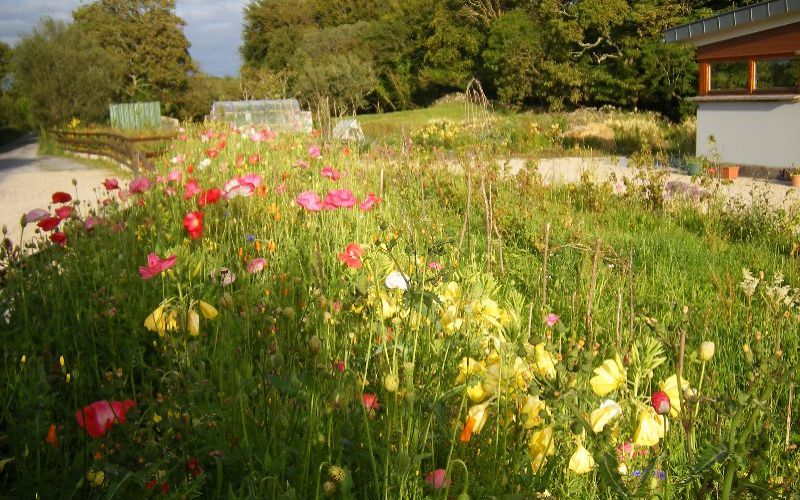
(282, 316)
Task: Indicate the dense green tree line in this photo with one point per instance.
(393, 55)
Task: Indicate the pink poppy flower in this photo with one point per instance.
(239, 160)
(64, 212)
(61, 197)
(174, 175)
(98, 418)
(331, 173)
(314, 151)
(370, 201)
(170, 191)
(370, 401)
(139, 185)
(111, 184)
(90, 222)
(435, 266)
(256, 265)
(339, 198)
(156, 265)
(36, 215)
(253, 179)
(309, 200)
(438, 479)
(352, 256)
(190, 189)
(235, 188)
(301, 163)
(551, 319)
(281, 188)
(177, 159)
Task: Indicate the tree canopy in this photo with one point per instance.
(526, 52)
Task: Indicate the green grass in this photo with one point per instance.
(266, 400)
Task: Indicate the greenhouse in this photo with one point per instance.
(283, 115)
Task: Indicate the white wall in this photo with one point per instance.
(764, 133)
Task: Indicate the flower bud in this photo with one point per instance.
(314, 343)
(707, 350)
(660, 401)
(193, 323)
(391, 382)
(329, 488)
(336, 473)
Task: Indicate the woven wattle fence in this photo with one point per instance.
(136, 153)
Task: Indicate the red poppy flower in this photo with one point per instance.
(191, 189)
(59, 238)
(61, 197)
(253, 159)
(661, 403)
(212, 153)
(352, 256)
(370, 401)
(208, 197)
(111, 184)
(49, 223)
(51, 438)
(194, 467)
(64, 212)
(193, 223)
(98, 417)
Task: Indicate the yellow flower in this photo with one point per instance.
(479, 414)
(61, 361)
(467, 367)
(450, 320)
(706, 350)
(452, 293)
(545, 363)
(650, 428)
(193, 323)
(157, 418)
(476, 393)
(207, 310)
(96, 479)
(540, 446)
(492, 378)
(608, 377)
(486, 311)
(581, 461)
(600, 417)
(670, 386)
(522, 373)
(530, 411)
(155, 322)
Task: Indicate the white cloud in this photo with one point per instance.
(213, 27)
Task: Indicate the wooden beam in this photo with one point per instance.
(751, 76)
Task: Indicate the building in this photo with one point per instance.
(749, 84)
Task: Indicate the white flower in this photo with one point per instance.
(396, 279)
(206, 162)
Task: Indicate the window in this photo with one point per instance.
(729, 76)
(777, 74)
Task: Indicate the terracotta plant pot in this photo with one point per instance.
(730, 172)
(795, 180)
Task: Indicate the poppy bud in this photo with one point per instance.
(314, 343)
(391, 382)
(660, 402)
(706, 350)
(193, 323)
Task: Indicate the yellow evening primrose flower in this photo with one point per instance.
(650, 429)
(450, 320)
(492, 378)
(207, 310)
(540, 446)
(608, 411)
(581, 462)
(155, 322)
(608, 377)
(193, 323)
(670, 386)
(479, 414)
(545, 363)
(467, 367)
(522, 373)
(530, 411)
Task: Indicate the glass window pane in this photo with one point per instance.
(777, 74)
(730, 75)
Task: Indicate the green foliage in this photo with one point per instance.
(148, 36)
(63, 73)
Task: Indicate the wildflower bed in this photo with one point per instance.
(273, 316)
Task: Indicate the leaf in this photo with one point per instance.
(607, 468)
(711, 455)
(4, 462)
(644, 483)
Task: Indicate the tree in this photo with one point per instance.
(64, 73)
(148, 36)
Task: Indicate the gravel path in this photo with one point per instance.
(27, 181)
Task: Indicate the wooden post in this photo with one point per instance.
(751, 76)
(705, 78)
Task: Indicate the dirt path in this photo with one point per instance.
(28, 180)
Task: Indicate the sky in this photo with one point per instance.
(213, 27)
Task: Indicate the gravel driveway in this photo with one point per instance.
(27, 181)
